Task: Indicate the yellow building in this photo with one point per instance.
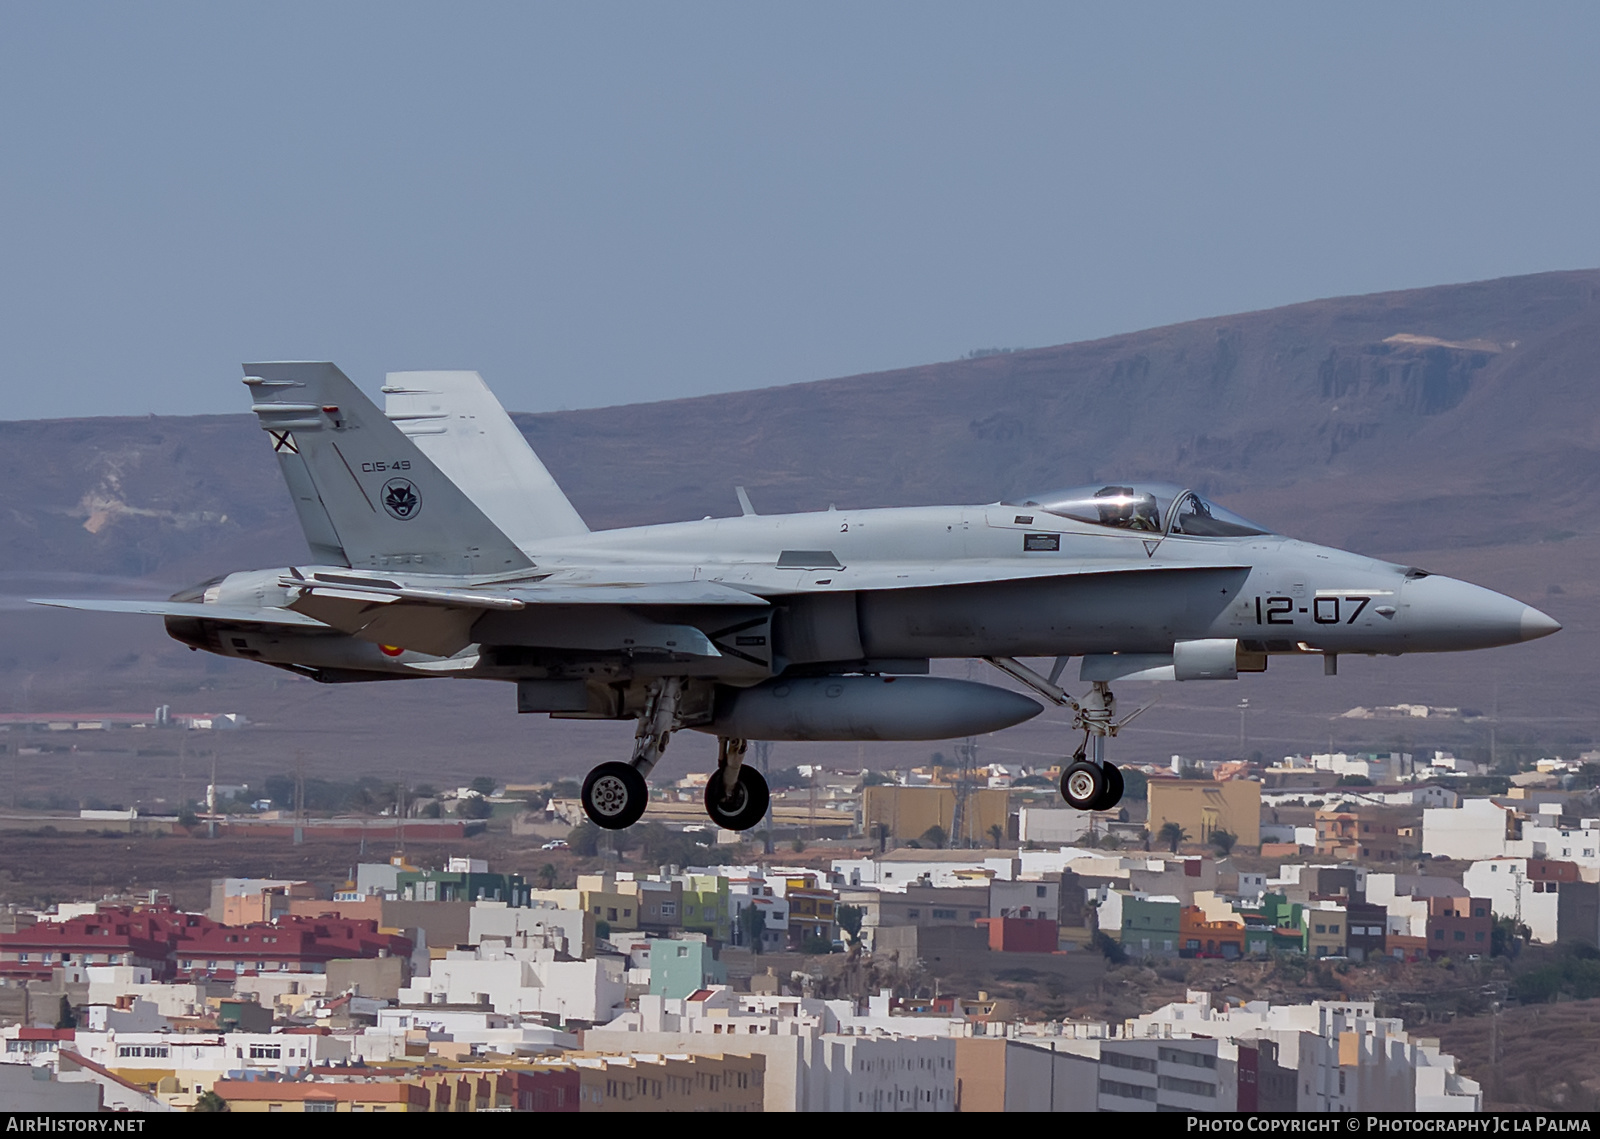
(908, 812)
(714, 1082)
(366, 1096)
(1204, 806)
(615, 903)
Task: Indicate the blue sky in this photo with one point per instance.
(603, 203)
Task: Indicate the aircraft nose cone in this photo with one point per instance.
(1536, 624)
(1447, 615)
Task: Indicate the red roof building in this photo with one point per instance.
(177, 945)
(113, 935)
(291, 944)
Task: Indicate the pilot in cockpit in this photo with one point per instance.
(1128, 509)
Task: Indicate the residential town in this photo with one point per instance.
(833, 961)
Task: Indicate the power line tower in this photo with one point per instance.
(966, 761)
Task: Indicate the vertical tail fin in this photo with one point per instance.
(366, 495)
(456, 421)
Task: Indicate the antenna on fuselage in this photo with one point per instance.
(744, 502)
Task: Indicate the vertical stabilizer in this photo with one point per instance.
(457, 422)
(366, 495)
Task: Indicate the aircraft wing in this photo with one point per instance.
(240, 613)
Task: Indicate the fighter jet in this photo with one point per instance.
(441, 547)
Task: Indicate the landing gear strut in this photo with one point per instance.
(615, 794)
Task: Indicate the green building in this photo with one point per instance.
(706, 908)
(1277, 925)
(1149, 925)
(463, 880)
(679, 966)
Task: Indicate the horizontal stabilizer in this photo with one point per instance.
(239, 613)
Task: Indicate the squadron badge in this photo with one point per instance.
(401, 500)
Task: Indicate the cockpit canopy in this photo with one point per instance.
(1153, 508)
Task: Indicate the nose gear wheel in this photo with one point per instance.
(1082, 785)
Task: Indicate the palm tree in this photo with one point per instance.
(1173, 835)
(997, 832)
(210, 1101)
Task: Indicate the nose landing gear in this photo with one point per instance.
(1090, 782)
(1088, 787)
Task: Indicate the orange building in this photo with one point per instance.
(1367, 834)
(1198, 937)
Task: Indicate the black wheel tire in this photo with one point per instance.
(614, 796)
(1082, 784)
(1112, 795)
(749, 804)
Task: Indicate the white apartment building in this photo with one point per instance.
(569, 929)
(895, 872)
(1549, 839)
(515, 979)
(213, 1052)
(1052, 825)
(1345, 1058)
(1504, 881)
(1175, 1074)
(1479, 828)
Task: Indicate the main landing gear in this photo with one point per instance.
(736, 796)
(1090, 782)
(616, 794)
